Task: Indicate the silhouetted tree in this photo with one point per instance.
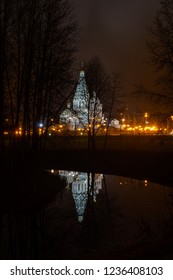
(39, 73)
(160, 43)
(105, 87)
(5, 25)
(160, 49)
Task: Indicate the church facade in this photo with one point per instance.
(84, 110)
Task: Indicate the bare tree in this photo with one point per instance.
(105, 88)
(160, 44)
(39, 74)
(98, 83)
(6, 8)
(160, 50)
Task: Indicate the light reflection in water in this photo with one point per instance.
(82, 185)
(123, 213)
(95, 216)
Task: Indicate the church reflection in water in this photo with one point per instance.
(77, 215)
(84, 186)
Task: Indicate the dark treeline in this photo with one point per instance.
(37, 52)
(37, 59)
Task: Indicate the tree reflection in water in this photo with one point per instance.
(76, 215)
(90, 196)
(22, 213)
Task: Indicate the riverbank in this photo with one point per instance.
(139, 157)
(35, 201)
(152, 143)
(145, 165)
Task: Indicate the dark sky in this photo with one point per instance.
(116, 30)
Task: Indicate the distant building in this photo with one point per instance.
(115, 123)
(83, 108)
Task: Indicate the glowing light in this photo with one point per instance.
(18, 132)
(40, 131)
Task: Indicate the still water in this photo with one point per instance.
(94, 216)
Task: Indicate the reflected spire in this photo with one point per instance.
(81, 187)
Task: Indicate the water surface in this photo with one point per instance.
(108, 216)
(79, 215)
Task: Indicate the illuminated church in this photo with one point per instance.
(83, 109)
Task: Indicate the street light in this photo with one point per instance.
(146, 118)
(122, 124)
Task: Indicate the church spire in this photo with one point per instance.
(82, 65)
(82, 73)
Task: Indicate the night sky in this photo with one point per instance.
(116, 30)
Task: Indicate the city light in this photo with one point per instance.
(144, 125)
(146, 183)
